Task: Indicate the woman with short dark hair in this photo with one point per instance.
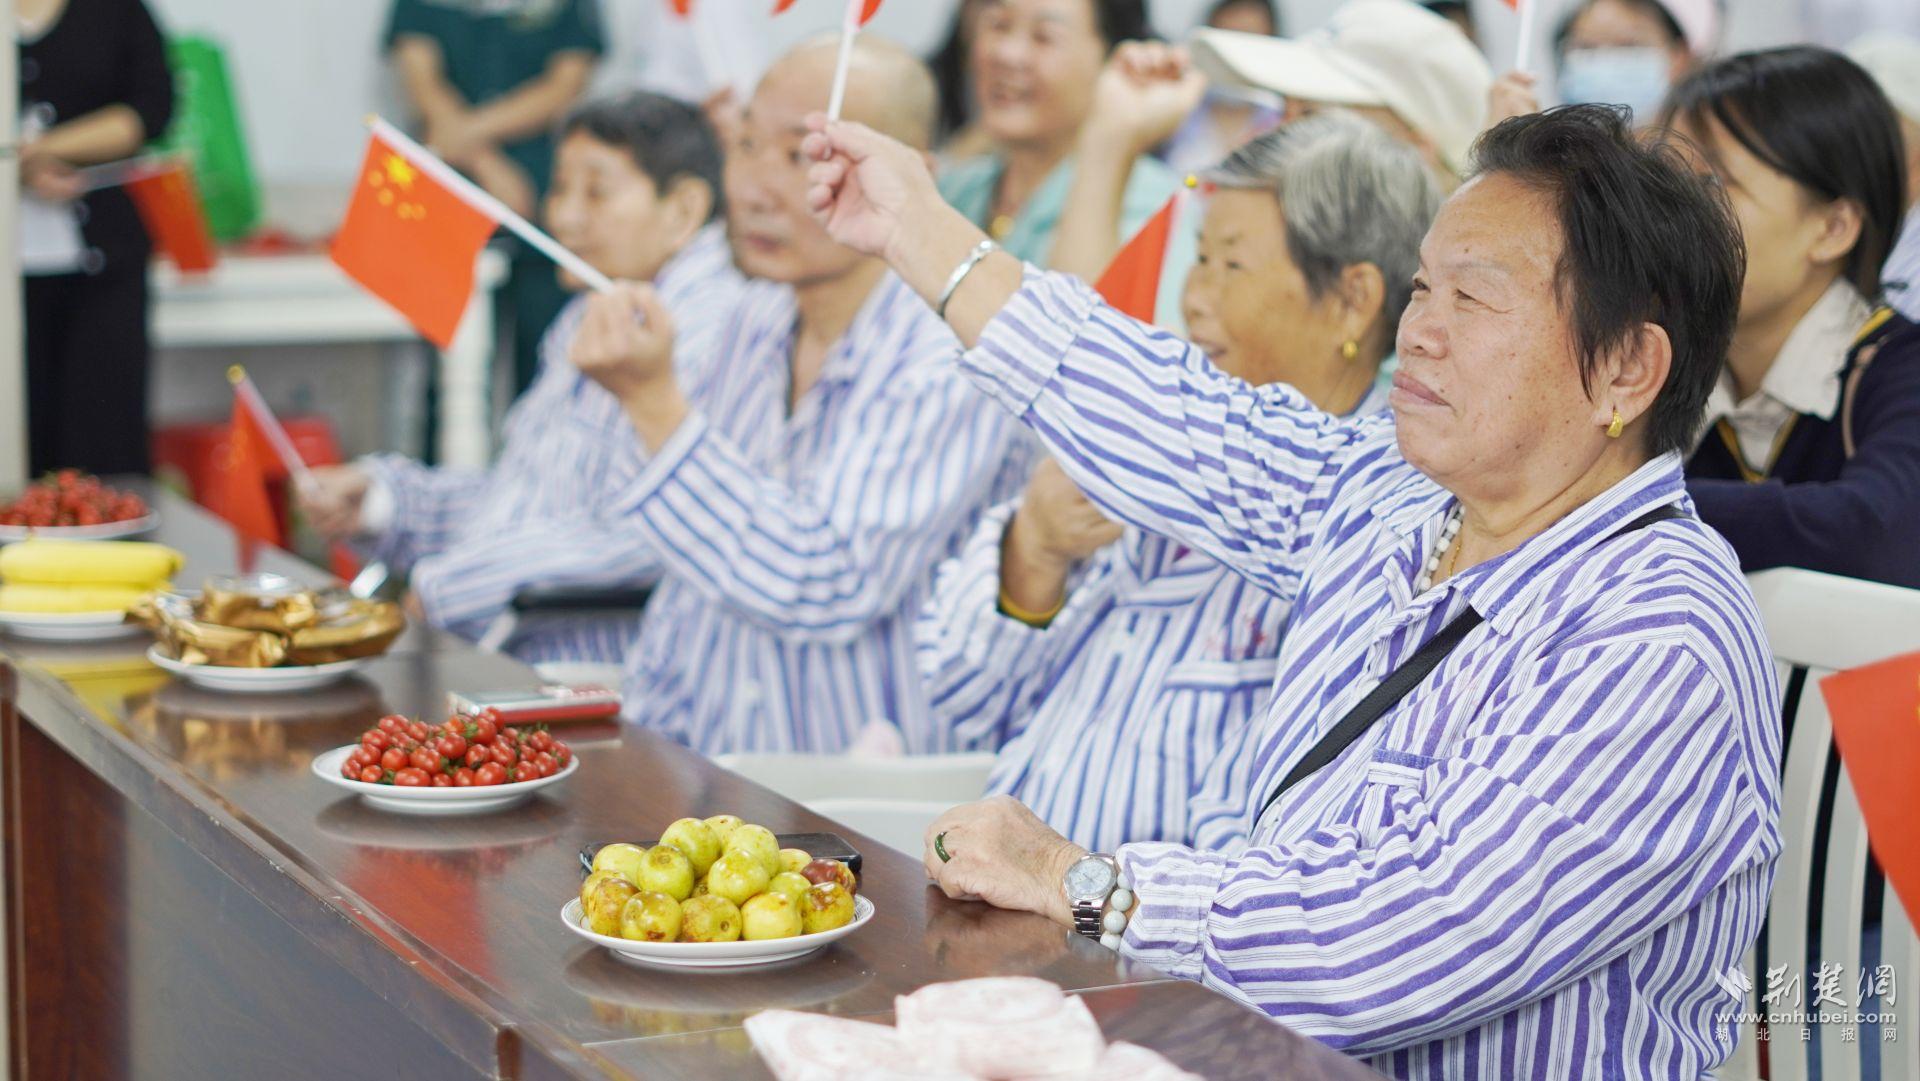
(1812, 454)
(1513, 808)
(1032, 66)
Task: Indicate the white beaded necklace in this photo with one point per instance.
(1448, 530)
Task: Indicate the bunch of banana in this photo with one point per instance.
(82, 576)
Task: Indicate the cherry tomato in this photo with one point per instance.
(562, 753)
(479, 755)
(350, 770)
(540, 741)
(483, 729)
(463, 778)
(424, 760)
(376, 739)
(393, 758)
(372, 775)
(392, 723)
(490, 774)
(362, 757)
(451, 747)
(505, 754)
(411, 778)
(455, 726)
(416, 731)
(441, 780)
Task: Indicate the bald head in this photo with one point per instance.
(888, 88)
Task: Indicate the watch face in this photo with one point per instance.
(1090, 878)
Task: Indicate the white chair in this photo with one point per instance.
(1818, 624)
(892, 800)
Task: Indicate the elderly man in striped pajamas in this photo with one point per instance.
(636, 193)
(801, 488)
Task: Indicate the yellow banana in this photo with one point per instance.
(47, 599)
(65, 562)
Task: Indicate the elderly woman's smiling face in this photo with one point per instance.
(1488, 399)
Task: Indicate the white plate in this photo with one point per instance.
(714, 954)
(433, 801)
(69, 626)
(216, 677)
(133, 527)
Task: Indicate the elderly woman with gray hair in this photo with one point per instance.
(1104, 661)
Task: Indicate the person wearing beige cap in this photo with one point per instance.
(1393, 62)
(1894, 62)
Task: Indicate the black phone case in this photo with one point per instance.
(829, 846)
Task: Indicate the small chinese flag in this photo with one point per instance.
(241, 494)
(1131, 283)
(170, 208)
(1876, 724)
(411, 242)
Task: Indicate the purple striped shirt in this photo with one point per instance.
(1540, 861)
(797, 548)
(476, 538)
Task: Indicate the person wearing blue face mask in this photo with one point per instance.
(1628, 52)
(1617, 52)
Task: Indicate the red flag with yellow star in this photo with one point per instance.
(411, 242)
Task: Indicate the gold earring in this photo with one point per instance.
(1349, 349)
(1619, 425)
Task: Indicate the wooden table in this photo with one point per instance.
(186, 900)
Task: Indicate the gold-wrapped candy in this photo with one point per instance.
(356, 629)
(335, 631)
(259, 602)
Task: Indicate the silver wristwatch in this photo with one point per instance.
(1091, 885)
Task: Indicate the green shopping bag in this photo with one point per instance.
(206, 128)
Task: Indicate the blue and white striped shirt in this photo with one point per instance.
(1537, 864)
(1105, 719)
(476, 538)
(798, 548)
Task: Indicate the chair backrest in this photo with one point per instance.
(1830, 905)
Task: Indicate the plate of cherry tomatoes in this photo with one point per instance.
(466, 765)
(72, 505)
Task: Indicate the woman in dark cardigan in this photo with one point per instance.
(94, 87)
(1811, 452)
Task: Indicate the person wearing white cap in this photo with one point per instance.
(1894, 62)
(1391, 61)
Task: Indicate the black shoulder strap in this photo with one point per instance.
(1402, 680)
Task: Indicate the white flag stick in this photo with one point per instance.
(471, 194)
(848, 31)
(276, 435)
(1523, 51)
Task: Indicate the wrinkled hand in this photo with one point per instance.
(332, 502)
(1056, 523)
(625, 342)
(863, 187)
(1513, 94)
(1146, 91)
(1002, 853)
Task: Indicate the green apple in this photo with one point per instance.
(696, 839)
(826, 907)
(622, 859)
(791, 884)
(737, 876)
(759, 841)
(587, 887)
(723, 827)
(709, 919)
(667, 870)
(769, 915)
(650, 917)
(793, 859)
(608, 902)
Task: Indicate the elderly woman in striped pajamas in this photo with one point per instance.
(1110, 664)
(1512, 810)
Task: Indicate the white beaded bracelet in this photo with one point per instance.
(1113, 924)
